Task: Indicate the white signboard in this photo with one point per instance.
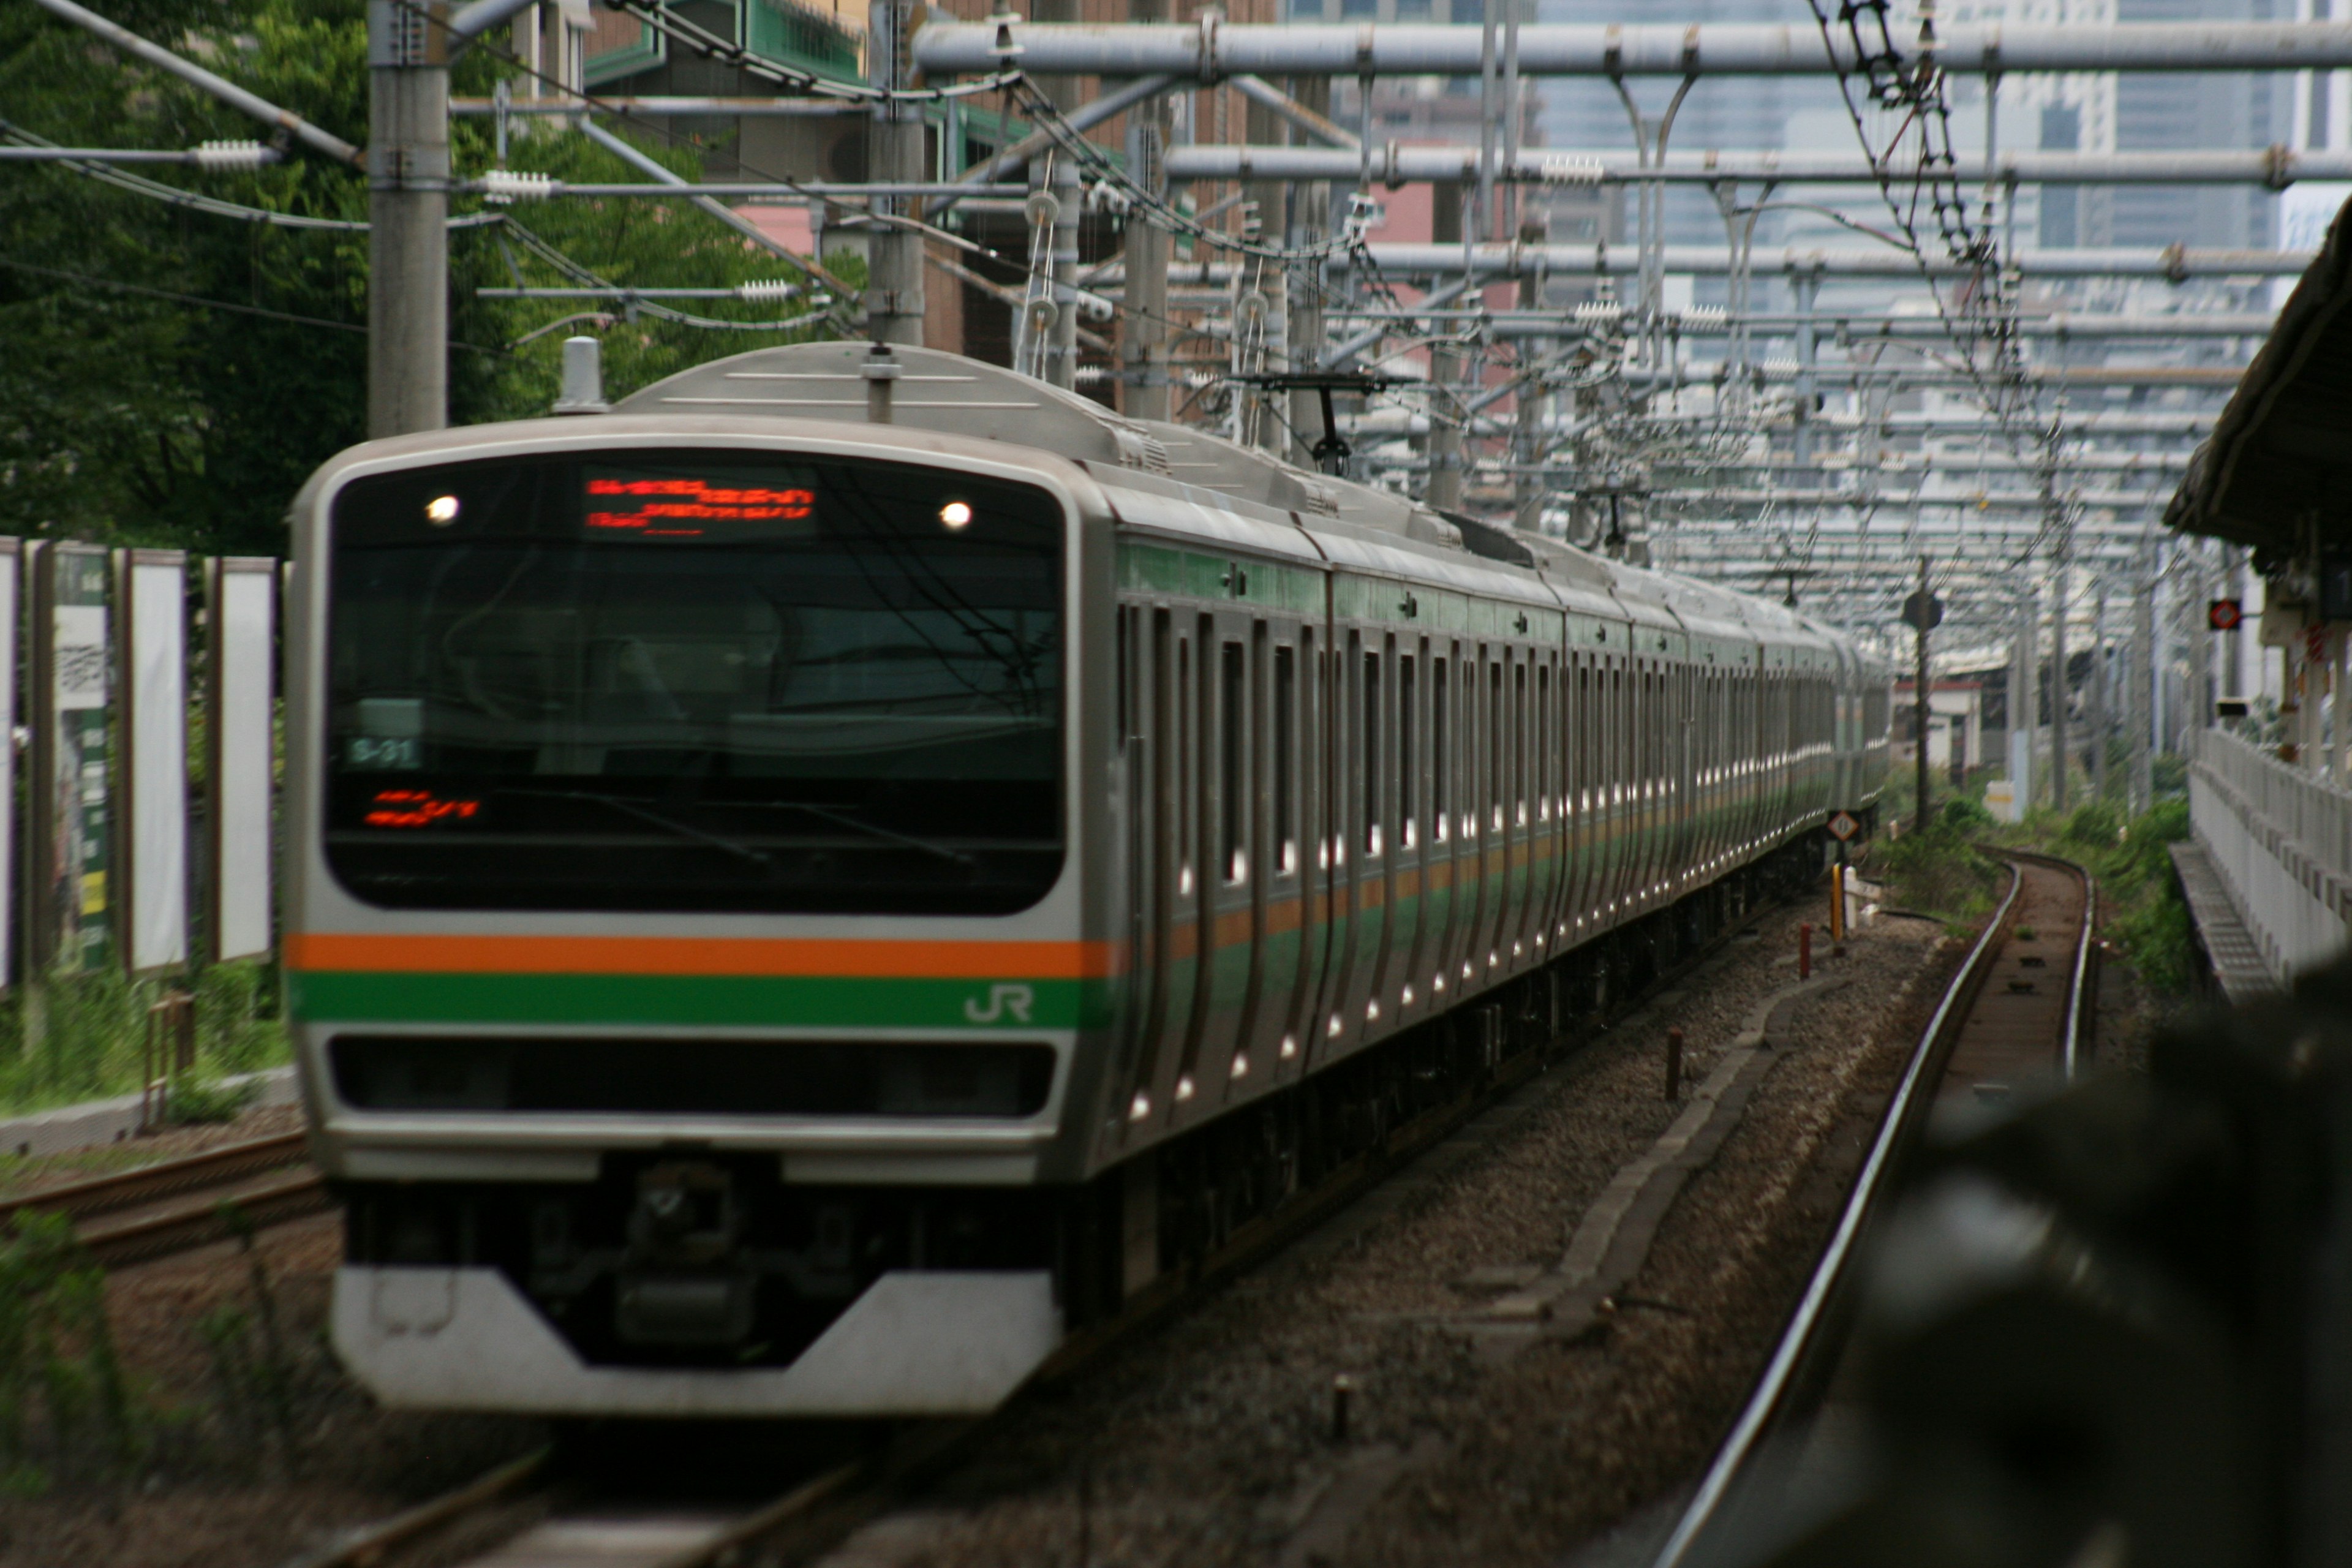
(153, 879)
(244, 603)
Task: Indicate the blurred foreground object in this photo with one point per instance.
(2116, 1328)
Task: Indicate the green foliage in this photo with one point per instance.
(82, 1037)
(66, 1410)
(1965, 817)
(2095, 824)
(1940, 871)
(2141, 910)
(132, 419)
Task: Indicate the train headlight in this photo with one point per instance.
(441, 510)
(956, 513)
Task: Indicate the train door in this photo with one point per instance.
(1243, 809)
(1381, 842)
(1411, 916)
(1167, 899)
(1551, 814)
(1300, 788)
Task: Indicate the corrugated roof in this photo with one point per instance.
(2280, 457)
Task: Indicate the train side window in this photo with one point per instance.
(1232, 685)
(1371, 711)
(1441, 746)
(1285, 833)
(1408, 787)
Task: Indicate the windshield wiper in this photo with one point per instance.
(887, 834)
(628, 808)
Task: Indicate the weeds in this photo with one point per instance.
(1940, 871)
(78, 1036)
(66, 1410)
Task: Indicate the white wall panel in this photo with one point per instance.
(155, 661)
(244, 607)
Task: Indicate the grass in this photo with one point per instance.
(82, 1037)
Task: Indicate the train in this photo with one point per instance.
(809, 888)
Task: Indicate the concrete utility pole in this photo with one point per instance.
(408, 212)
(1446, 447)
(1920, 691)
(2058, 683)
(2025, 690)
(2099, 693)
(1310, 221)
(2143, 682)
(1062, 337)
(894, 274)
(1143, 326)
(1526, 428)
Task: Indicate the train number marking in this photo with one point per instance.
(1015, 1000)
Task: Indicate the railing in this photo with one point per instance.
(2281, 839)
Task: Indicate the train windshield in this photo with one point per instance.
(693, 680)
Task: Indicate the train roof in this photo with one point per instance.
(950, 394)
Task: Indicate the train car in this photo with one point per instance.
(808, 886)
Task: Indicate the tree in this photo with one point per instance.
(143, 401)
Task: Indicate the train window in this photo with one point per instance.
(1231, 756)
(1441, 746)
(683, 680)
(1371, 752)
(1408, 793)
(1285, 833)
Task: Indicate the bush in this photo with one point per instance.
(2095, 824)
(1964, 817)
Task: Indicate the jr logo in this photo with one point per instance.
(1015, 1000)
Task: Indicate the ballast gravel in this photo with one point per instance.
(1212, 1442)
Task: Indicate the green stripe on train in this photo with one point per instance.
(743, 1001)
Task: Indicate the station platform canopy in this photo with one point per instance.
(2276, 473)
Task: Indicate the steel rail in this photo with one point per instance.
(1905, 1113)
(145, 1184)
(2078, 998)
(364, 1546)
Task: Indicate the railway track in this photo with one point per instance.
(2015, 1018)
(825, 1501)
(131, 1217)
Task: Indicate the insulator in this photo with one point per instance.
(503, 186)
(218, 156)
(1094, 307)
(766, 289)
(1558, 171)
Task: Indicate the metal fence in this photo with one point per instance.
(2281, 839)
(141, 685)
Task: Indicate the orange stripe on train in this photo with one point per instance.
(700, 955)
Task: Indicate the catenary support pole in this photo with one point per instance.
(1143, 325)
(1062, 337)
(1445, 443)
(408, 210)
(2058, 692)
(2143, 680)
(894, 285)
(2098, 716)
(1923, 707)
